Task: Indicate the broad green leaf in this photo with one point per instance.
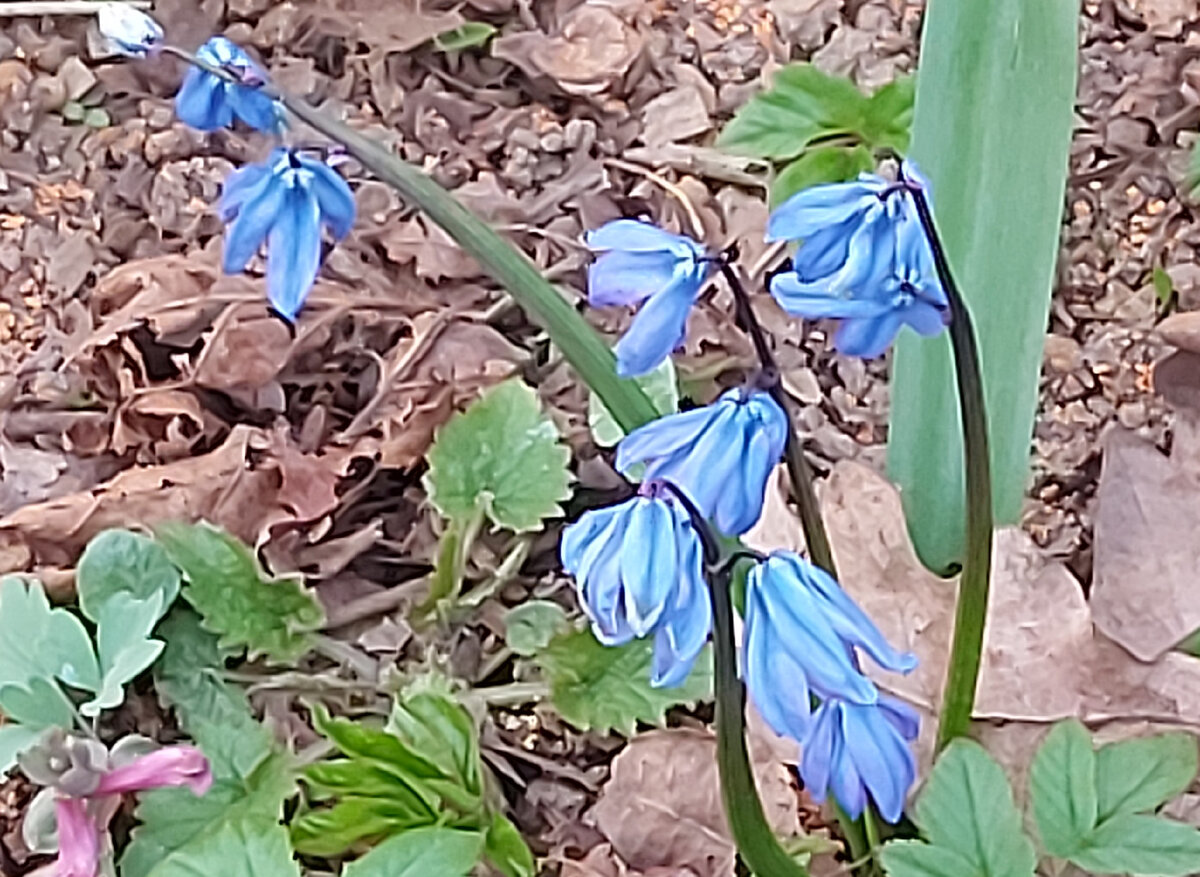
(661, 385)
(248, 847)
(330, 831)
(1063, 784)
(530, 627)
(123, 628)
(992, 131)
(1138, 775)
(1164, 287)
(822, 164)
(1132, 844)
(214, 713)
(237, 602)
(39, 645)
(15, 739)
(179, 828)
(887, 122)
(466, 36)
(602, 688)
(802, 105)
(912, 858)
(421, 852)
(501, 455)
(123, 562)
(967, 816)
(504, 847)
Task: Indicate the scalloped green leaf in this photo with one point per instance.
(969, 822)
(602, 688)
(501, 457)
(245, 608)
(121, 561)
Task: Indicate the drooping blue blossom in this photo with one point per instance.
(801, 636)
(861, 750)
(639, 262)
(864, 259)
(638, 567)
(208, 102)
(129, 31)
(284, 201)
(720, 455)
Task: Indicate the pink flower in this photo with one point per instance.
(82, 819)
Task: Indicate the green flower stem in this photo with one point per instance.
(966, 651)
(756, 842)
(799, 472)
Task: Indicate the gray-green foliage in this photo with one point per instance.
(422, 769)
(1090, 808)
(819, 128)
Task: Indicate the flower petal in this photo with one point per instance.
(169, 766)
(818, 207)
(78, 839)
(258, 208)
(625, 278)
(819, 301)
(867, 338)
(649, 564)
(675, 433)
(255, 108)
(657, 330)
(334, 196)
(293, 252)
(632, 235)
(201, 101)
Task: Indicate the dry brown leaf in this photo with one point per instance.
(1145, 591)
(593, 50)
(662, 806)
(225, 487)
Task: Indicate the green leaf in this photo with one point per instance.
(466, 36)
(38, 645)
(1132, 844)
(530, 627)
(1164, 287)
(660, 385)
(215, 714)
(502, 455)
(73, 111)
(97, 117)
(992, 132)
(1192, 180)
(179, 829)
(822, 164)
(603, 688)
(125, 648)
(802, 105)
(123, 562)
(913, 858)
(422, 852)
(226, 586)
(440, 730)
(252, 847)
(1137, 775)
(39, 704)
(887, 123)
(1063, 784)
(504, 847)
(15, 739)
(967, 816)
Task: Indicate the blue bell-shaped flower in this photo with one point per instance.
(208, 102)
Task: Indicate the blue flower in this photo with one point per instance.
(129, 31)
(639, 570)
(208, 102)
(642, 263)
(284, 201)
(720, 455)
(802, 630)
(861, 750)
(864, 259)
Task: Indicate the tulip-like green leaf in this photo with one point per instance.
(992, 130)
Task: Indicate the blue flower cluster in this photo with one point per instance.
(864, 259)
(284, 202)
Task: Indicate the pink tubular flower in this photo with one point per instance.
(81, 820)
(78, 839)
(171, 766)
